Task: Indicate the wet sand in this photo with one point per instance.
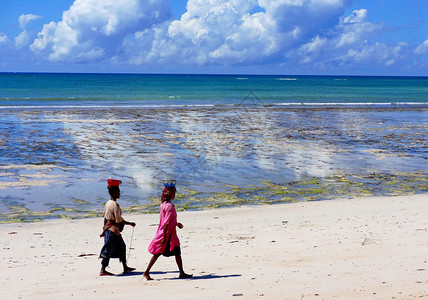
(54, 162)
(365, 248)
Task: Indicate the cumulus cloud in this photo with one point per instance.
(93, 29)
(422, 48)
(230, 32)
(348, 44)
(217, 32)
(223, 31)
(24, 38)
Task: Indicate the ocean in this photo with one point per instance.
(52, 90)
(227, 139)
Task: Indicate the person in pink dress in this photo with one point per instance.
(166, 241)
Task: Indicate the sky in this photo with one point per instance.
(290, 37)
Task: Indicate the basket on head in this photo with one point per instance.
(114, 182)
(169, 183)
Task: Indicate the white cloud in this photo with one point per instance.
(217, 32)
(210, 32)
(227, 32)
(220, 30)
(355, 33)
(357, 16)
(24, 38)
(349, 44)
(376, 54)
(422, 48)
(3, 38)
(25, 19)
(315, 46)
(94, 28)
(45, 37)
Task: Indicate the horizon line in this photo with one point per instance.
(208, 74)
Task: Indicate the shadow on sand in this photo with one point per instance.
(195, 277)
(209, 276)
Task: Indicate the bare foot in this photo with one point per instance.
(105, 273)
(128, 270)
(147, 276)
(184, 276)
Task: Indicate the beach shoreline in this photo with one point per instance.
(358, 248)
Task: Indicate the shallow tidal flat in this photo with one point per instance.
(54, 162)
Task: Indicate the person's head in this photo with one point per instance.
(114, 191)
(168, 194)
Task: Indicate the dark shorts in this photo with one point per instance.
(175, 251)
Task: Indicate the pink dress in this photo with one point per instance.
(168, 215)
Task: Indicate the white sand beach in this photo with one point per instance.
(363, 248)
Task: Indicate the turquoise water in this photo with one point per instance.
(167, 90)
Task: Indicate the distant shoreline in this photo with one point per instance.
(291, 106)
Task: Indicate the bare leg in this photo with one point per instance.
(154, 258)
(179, 263)
(104, 265)
(103, 271)
(127, 269)
(180, 267)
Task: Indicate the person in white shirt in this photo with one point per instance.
(114, 246)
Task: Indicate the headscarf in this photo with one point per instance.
(168, 193)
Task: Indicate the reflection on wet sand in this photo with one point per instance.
(221, 155)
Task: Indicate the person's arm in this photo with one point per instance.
(119, 219)
(127, 223)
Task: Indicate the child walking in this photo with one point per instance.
(166, 241)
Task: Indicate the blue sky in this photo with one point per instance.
(300, 37)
